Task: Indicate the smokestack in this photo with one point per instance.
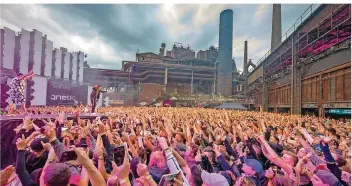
(245, 68)
(162, 50)
(276, 26)
(224, 68)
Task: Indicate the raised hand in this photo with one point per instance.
(270, 173)
(82, 157)
(46, 146)
(51, 155)
(50, 133)
(142, 170)
(122, 171)
(6, 174)
(49, 123)
(85, 131)
(101, 129)
(36, 128)
(307, 156)
(99, 147)
(61, 117)
(21, 143)
(124, 137)
(27, 123)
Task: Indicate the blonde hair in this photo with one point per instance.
(157, 159)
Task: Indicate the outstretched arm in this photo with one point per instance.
(230, 150)
(27, 76)
(314, 158)
(172, 162)
(330, 161)
(21, 170)
(273, 157)
(306, 135)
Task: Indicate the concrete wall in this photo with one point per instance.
(80, 66)
(66, 65)
(9, 48)
(57, 62)
(38, 45)
(40, 91)
(24, 51)
(48, 57)
(74, 65)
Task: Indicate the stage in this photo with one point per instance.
(7, 134)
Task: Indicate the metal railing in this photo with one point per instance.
(309, 11)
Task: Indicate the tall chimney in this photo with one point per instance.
(245, 68)
(162, 50)
(224, 68)
(276, 26)
(245, 59)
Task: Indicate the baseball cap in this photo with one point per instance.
(256, 165)
(214, 179)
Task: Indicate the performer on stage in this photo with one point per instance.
(17, 89)
(94, 96)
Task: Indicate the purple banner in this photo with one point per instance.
(66, 93)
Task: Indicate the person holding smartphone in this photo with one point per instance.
(60, 173)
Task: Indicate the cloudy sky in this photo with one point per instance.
(110, 34)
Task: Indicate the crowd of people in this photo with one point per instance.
(179, 146)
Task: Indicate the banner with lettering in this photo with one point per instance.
(64, 92)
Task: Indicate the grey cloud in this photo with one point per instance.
(138, 28)
(127, 28)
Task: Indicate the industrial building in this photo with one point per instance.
(177, 74)
(153, 76)
(178, 52)
(210, 54)
(309, 72)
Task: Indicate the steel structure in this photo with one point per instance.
(305, 53)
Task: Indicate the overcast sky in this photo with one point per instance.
(110, 34)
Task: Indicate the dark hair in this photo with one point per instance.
(57, 174)
(196, 175)
(341, 162)
(332, 131)
(206, 164)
